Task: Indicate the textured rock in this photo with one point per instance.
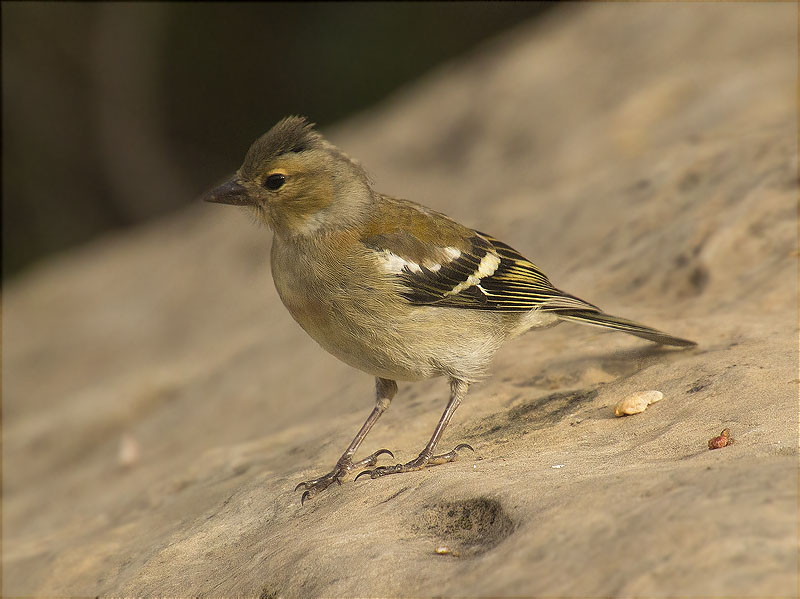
(160, 404)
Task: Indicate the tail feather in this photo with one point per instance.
(601, 319)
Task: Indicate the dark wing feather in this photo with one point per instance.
(487, 274)
(519, 285)
(450, 265)
(509, 283)
(429, 286)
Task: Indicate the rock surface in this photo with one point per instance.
(160, 405)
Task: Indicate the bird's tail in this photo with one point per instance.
(601, 319)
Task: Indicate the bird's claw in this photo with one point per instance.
(382, 452)
(312, 487)
(364, 473)
(317, 485)
(418, 463)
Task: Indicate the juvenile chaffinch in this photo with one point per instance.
(389, 286)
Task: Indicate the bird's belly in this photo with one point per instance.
(407, 345)
(361, 338)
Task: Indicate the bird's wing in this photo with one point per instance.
(470, 270)
(517, 284)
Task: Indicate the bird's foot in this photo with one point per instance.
(343, 467)
(418, 463)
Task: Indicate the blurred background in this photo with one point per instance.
(643, 153)
(114, 113)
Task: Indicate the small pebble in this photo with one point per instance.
(128, 453)
(636, 403)
(723, 439)
(445, 550)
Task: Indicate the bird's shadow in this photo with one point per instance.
(552, 406)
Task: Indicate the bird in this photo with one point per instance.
(391, 287)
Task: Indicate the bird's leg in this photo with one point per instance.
(458, 389)
(385, 390)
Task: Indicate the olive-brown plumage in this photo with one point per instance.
(388, 286)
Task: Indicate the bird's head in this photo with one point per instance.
(297, 182)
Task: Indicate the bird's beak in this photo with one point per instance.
(230, 192)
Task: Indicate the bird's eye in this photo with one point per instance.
(275, 181)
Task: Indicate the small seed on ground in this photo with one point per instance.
(637, 402)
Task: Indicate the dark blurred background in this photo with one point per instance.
(114, 113)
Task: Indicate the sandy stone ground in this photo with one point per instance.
(160, 405)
